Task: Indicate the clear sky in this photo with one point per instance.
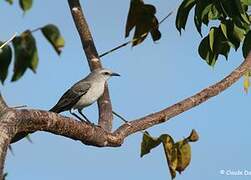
(154, 76)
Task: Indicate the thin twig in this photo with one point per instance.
(104, 102)
(136, 39)
(126, 121)
(21, 106)
(120, 117)
(11, 150)
(8, 41)
(37, 29)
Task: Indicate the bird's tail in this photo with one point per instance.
(55, 109)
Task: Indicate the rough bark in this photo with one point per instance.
(15, 122)
(38, 120)
(7, 131)
(104, 103)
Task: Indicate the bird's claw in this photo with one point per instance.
(91, 123)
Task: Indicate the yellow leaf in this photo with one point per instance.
(170, 152)
(183, 155)
(148, 143)
(193, 137)
(246, 82)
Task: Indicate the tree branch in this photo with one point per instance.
(7, 131)
(186, 104)
(3, 105)
(15, 122)
(104, 103)
(37, 120)
(5, 138)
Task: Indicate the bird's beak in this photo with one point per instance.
(115, 74)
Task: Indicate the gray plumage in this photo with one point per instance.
(85, 92)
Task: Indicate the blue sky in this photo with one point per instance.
(154, 76)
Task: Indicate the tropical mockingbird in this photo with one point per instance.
(84, 93)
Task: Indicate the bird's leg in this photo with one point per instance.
(120, 117)
(74, 114)
(123, 119)
(87, 120)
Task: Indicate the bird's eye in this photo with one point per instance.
(107, 73)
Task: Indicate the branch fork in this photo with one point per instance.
(16, 123)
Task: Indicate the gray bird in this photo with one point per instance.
(84, 93)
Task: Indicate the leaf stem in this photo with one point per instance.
(136, 39)
(8, 41)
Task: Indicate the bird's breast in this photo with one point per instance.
(95, 91)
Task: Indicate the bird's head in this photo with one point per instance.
(106, 73)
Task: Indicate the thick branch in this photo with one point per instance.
(33, 120)
(38, 120)
(15, 121)
(7, 132)
(5, 139)
(3, 105)
(186, 104)
(104, 103)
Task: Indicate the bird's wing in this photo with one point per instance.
(71, 97)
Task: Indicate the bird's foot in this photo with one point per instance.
(79, 118)
(128, 123)
(92, 124)
(88, 122)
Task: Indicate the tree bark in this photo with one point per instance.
(104, 103)
(15, 121)
(7, 131)
(38, 120)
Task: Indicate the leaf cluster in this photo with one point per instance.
(178, 154)
(25, 5)
(25, 52)
(142, 17)
(233, 29)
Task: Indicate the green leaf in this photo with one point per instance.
(233, 33)
(52, 34)
(214, 13)
(235, 10)
(246, 47)
(133, 15)
(5, 59)
(9, 1)
(245, 18)
(206, 53)
(183, 12)
(155, 33)
(213, 45)
(148, 143)
(25, 54)
(142, 17)
(238, 33)
(211, 38)
(198, 25)
(223, 48)
(221, 44)
(25, 4)
(246, 2)
(202, 9)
